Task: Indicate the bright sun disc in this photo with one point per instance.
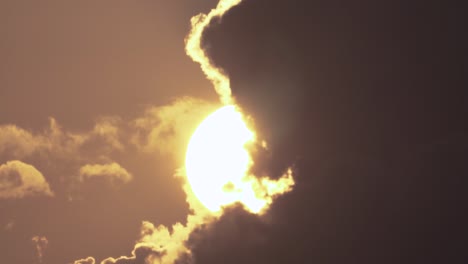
(217, 164)
(216, 159)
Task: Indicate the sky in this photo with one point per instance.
(366, 102)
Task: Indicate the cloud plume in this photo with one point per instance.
(40, 243)
(195, 50)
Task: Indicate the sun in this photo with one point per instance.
(216, 157)
(217, 165)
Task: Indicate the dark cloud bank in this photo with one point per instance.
(368, 100)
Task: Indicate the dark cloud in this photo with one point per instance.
(368, 101)
(237, 233)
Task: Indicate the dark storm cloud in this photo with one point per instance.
(236, 232)
(368, 101)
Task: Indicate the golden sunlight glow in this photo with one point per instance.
(217, 165)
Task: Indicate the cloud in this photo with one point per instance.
(194, 49)
(162, 244)
(40, 243)
(237, 232)
(71, 158)
(142, 254)
(111, 172)
(107, 136)
(157, 131)
(372, 121)
(357, 96)
(88, 260)
(108, 128)
(157, 245)
(163, 129)
(9, 225)
(18, 180)
(167, 129)
(81, 164)
(18, 143)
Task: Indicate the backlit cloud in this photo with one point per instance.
(88, 260)
(54, 141)
(111, 172)
(167, 128)
(18, 180)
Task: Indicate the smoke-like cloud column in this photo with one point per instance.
(40, 242)
(195, 51)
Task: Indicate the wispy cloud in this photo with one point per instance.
(111, 172)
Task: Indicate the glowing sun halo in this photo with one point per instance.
(216, 159)
(217, 165)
